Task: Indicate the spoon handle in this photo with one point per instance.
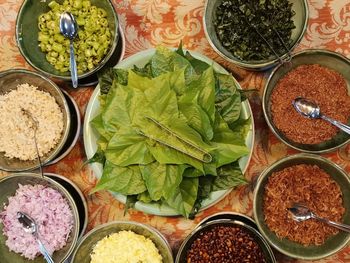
(73, 66)
(44, 252)
(338, 124)
(340, 226)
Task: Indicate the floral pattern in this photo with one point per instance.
(167, 22)
(7, 15)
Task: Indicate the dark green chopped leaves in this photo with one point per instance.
(236, 23)
(158, 126)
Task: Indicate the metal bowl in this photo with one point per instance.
(234, 216)
(8, 187)
(9, 80)
(300, 7)
(186, 244)
(74, 131)
(325, 58)
(27, 36)
(78, 198)
(87, 243)
(290, 248)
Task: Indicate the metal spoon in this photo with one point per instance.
(30, 226)
(36, 126)
(69, 29)
(301, 213)
(311, 110)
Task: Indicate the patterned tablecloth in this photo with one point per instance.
(148, 23)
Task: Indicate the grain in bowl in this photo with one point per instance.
(17, 130)
(320, 84)
(307, 184)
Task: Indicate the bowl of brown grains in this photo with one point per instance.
(225, 240)
(318, 75)
(315, 182)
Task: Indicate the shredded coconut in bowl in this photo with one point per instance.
(51, 212)
(17, 129)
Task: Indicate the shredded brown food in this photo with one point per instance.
(309, 185)
(324, 86)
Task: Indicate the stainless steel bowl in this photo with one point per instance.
(290, 248)
(234, 216)
(74, 131)
(9, 80)
(27, 36)
(325, 58)
(300, 7)
(87, 243)
(8, 186)
(77, 196)
(186, 244)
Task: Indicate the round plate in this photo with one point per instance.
(90, 137)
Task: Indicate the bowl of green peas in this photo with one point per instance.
(47, 50)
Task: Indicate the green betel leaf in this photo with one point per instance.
(227, 98)
(241, 127)
(197, 119)
(122, 107)
(146, 71)
(161, 179)
(204, 189)
(223, 133)
(167, 129)
(161, 99)
(127, 148)
(197, 104)
(205, 85)
(97, 124)
(225, 82)
(198, 65)
(107, 76)
(184, 197)
(99, 157)
(229, 176)
(177, 81)
(144, 197)
(167, 155)
(124, 180)
(176, 143)
(229, 144)
(227, 153)
(165, 60)
(105, 79)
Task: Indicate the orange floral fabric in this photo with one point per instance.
(148, 23)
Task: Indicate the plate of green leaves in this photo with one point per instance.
(168, 132)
